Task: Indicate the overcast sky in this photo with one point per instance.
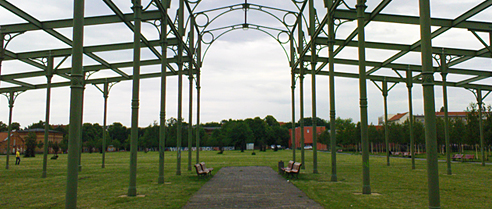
(245, 72)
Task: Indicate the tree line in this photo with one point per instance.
(237, 133)
(463, 133)
(268, 131)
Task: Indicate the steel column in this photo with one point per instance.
(386, 130)
(410, 116)
(77, 80)
(81, 122)
(331, 65)
(2, 54)
(137, 9)
(198, 88)
(429, 104)
(313, 84)
(444, 73)
(11, 99)
(162, 122)
(293, 95)
(301, 86)
(2, 50)
(190, 79)
(480, 123)
(105, 116)
(180, 84)
(301, 121)
(190, 117)
(361, 6)
(49, 75)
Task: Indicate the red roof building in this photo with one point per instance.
(17, 140)
(400, 118)
(308, 137)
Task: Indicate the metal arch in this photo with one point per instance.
(243, 6)
(445, 24)
(241, 26)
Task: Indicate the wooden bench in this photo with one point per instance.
(199, 170)
(295, 170)
(205, 169)
(289, 166)
(457, 156)
(468, 157)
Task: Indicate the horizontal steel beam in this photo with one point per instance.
(414, 20)
(88, 49)
(88, 68)
(404, 67)
(397, 79)
(406, 47)
(68, 23)
(89, 81)
(477, 78)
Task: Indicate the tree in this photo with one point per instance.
(64, 144)
(472, 133)
(31, 143)
(375, 135)
(91, 135)
(40, 125)
(238, 132)
(346, 131)
(277, 135)
(15, 126)
(212, 124)
(271, 121)
(3, 127)
(116, 143)
(259, 128)
(319, 122)
(456, 134)
(217, 139)
(324, 137)
(55, 146)
(150, 138)
(119, 132)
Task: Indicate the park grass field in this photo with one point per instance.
(395, 186)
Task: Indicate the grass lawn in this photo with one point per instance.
(397, 186)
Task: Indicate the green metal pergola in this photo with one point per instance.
(310, 46)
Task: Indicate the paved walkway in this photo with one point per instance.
(249, 187)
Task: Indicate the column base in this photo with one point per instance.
(132, 191)
(334, 178)
(366, 189)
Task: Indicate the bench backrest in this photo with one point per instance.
(199, 169)
(290, 165)
(296, 167)
(203, 166)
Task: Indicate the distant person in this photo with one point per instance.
(17, 157)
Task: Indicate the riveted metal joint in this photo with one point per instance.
(427, 79)
(135, 103)
(363, 103)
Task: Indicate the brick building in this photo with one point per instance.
(17, 140)
(308, 137)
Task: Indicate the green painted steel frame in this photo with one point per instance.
(306, 52)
